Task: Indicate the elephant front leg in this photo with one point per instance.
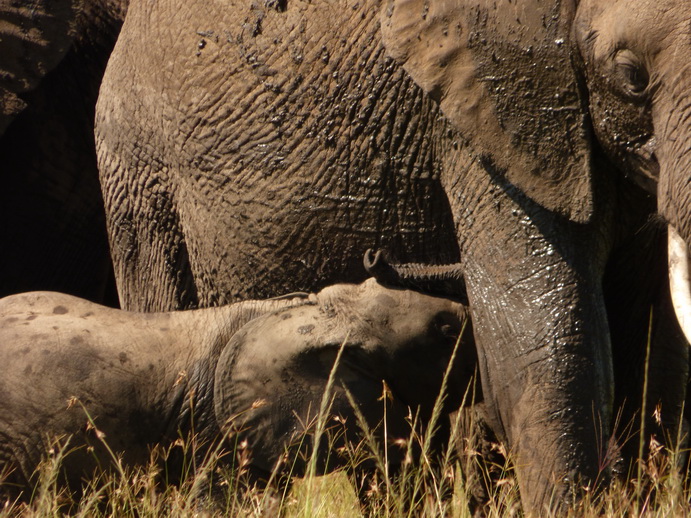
(546, 370)
(541, 331)
(151, 258)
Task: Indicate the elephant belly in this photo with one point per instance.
(303, 238)
(240, 162)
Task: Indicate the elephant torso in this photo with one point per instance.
(270, 149)
(77, 373)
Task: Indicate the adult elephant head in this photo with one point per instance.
(639, 80)
(247, 150)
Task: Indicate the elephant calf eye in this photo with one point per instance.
(631, 74)
(449, 331)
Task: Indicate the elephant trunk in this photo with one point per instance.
(544, 351)
(439, 279)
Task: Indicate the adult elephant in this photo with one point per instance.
(248, 149)
(52, 58)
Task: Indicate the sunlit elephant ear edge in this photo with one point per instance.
(33, 40)
(503, 75)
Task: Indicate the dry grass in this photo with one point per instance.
(661, 492)
(216, 485)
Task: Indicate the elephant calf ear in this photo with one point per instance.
(34, 37)
(503, 75)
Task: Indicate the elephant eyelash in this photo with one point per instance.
(590, 37)
(631, 74)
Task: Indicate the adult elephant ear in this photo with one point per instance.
(503, 75)
(34, 37)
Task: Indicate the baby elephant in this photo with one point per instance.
(253, 370)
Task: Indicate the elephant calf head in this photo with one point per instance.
(273, 375)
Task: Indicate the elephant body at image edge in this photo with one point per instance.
(52, 59)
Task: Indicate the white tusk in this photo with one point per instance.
(678, 258)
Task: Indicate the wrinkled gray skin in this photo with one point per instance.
(147, 379)
(52, 58)
(248, 149)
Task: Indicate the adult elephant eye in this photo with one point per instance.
(631, 73)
